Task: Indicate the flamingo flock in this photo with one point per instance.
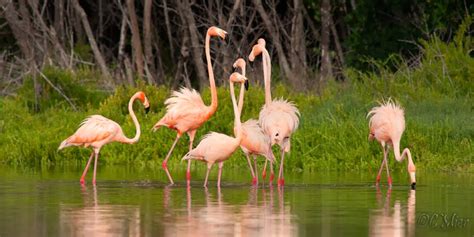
(277, 121)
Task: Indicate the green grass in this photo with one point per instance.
(436, 94)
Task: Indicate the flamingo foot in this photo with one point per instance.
(389, 182)
(254, 181)
(281, 182)
(165, 167)
(93, 182)
(264, 174)
(377, 181)
(82, 181)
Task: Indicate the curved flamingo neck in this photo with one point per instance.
(399, 157)
(237, 122)
(212, 82)
(135, 121)
(267, 73)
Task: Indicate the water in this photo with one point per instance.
(129, 202)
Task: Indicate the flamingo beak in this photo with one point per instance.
(147, 109)
(246, 84)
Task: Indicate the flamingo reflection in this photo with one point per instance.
(260, 216)
(94, 219)
(398, 220)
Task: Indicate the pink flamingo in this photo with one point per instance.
(254, 140)
(278, 118)
(97, 130)
(186, 111)
(218, 147)
(387, 124)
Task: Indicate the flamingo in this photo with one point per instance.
(278, 118)
(97, 130)
(254, 140)
(186, 111)
(218, 147)
(387, 124)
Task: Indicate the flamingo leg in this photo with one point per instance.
(377, 181)
(84, 173)
(209, 166)
(281, 179)
(256, 170)
(165, 162)
(188, 170)
(254, 179)
(388, 172)
(95, 167)
(221, 164)
(272, 174)
(264, 172)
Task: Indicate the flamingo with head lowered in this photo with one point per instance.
(387, 124)
(186, 111)
(218, 147)
(254, 140)
(278, 118)
(97, 130)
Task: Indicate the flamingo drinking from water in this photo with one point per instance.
(254, 140)
(387, 124)
(218, 147)
(278, 118)
(97, 130)
(186, 111)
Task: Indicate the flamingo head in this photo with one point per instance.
(239, 78)
(279, 136)
(142, 97)
(216, 31)
(412, 172)
(239, 63)
(188, 156)
(257, 49)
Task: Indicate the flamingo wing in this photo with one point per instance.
(254, 138)
(184, 108)
(214, 147)
(387, 121)
(280, 114)
(94, 129)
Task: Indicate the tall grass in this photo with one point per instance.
(436, 94)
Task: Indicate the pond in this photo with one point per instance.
(129, 202)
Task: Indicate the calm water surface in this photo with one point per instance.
(129, 202)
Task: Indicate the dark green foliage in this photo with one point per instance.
(379, 29)
(79, 88)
